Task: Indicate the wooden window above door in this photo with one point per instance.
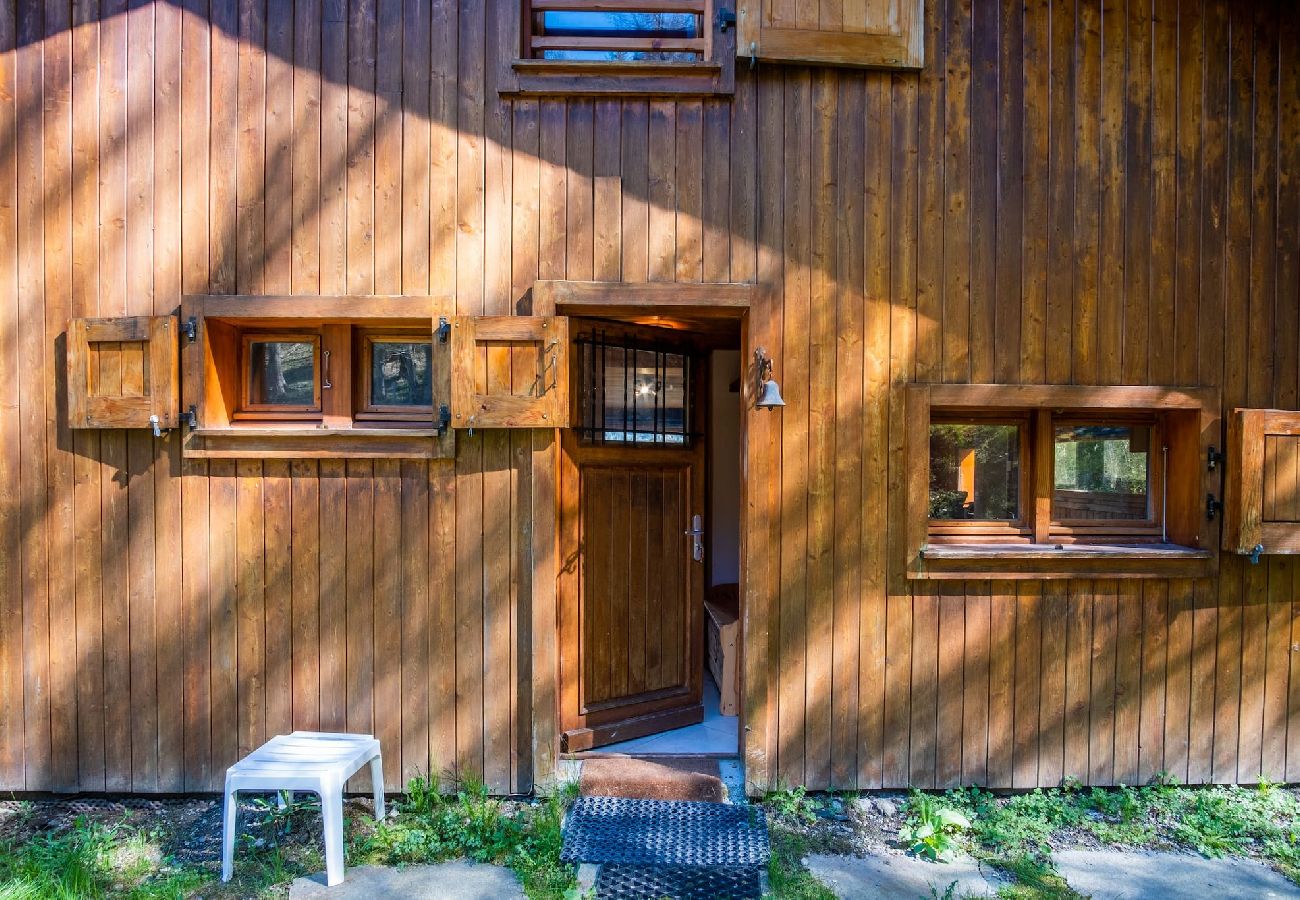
(880, 34)
(602, 47)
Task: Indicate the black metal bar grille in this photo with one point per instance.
(638, 413)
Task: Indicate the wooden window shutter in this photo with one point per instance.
(510, 372)
(122, 372)
(1261, 503)
(881, 34)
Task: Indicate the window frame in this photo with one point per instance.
(363, 408)
(518, 72)
(214, 379)
(1183, 543)
(248, 409)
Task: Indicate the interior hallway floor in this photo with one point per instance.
(716, 734)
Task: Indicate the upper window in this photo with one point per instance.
(634, 34)
(624, 47)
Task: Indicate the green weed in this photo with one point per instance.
(787, 879)
(90, 860)
(932, 831)
(792, 803)
(432, 827)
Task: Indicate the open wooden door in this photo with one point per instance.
(632, 578)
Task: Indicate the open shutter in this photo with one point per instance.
(878, 34)
(510, 372)
(1262, 493)
(123, 372)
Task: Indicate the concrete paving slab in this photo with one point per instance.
(446, 881)
(896, 875)
(1115, 875)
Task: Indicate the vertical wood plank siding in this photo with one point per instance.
(1075, 191)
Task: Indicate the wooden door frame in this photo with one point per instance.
(630, 302)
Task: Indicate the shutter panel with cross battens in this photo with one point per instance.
(1262, 485)
(123, 372)
(878, 34)
(510, 372)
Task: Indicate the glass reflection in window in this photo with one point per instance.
(1102, 472)
(282, 373)
(399, 373)
(975, 471)
(597, 35)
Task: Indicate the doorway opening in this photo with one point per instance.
(650, 509)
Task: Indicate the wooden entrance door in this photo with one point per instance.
(631, 589)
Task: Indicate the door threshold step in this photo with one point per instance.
(659, 778)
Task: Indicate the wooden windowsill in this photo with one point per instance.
(1063, 551)
(618, 67)
(600, 77)
(298, 442)
(1078, 560)
(314, 431)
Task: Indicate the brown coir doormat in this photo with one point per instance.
(661, 778)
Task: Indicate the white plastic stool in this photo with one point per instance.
(312, 761)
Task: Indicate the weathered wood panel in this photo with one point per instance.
(1077, 191)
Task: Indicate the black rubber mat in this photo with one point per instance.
(664, 833)
(619, 882)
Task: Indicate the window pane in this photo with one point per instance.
(634, 395)
(1102, 472)
(611, 27)
(975, 471)
(399, 373)
(282, 373)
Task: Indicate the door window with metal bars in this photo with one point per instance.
(633, 392)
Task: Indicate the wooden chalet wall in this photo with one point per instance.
(1069, 192)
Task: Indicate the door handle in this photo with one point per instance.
(696, 534)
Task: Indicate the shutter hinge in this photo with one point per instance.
(724, 19)
(444, 419)
(190, 328)
(1213, 506)
(1213, 458)
(443, 331)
